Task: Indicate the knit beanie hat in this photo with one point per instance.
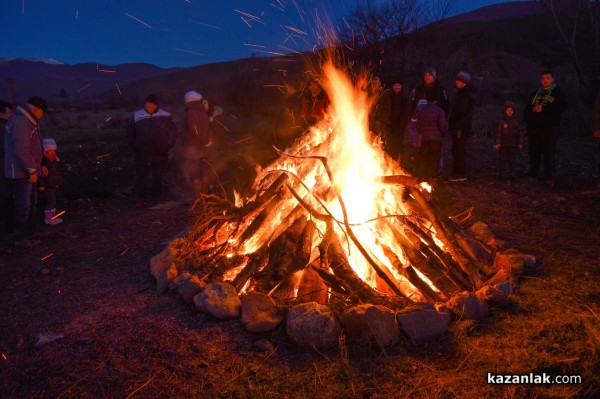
(192, 96)
(152, 98)
(509, 104)
(49, 144)
(432, 71)
(463, 77)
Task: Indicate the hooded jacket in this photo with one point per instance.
(152, 135)
(509, 132)
(431, 123)
(553, 102)
(22, 145)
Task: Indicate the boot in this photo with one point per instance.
(49, 217)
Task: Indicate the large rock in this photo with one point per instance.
(190, 288)
(482, 232)
(219, 300)
(371, 322)
(513, 261)
(466, 306)
(168, 275)
(160, 262)
(181, 279)
(259, 312)
(423, 321)
(310, 325)
(495, 294)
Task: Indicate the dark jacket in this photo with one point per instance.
(54, 178)
(431, 123)
(22, 145)
(509, 132)
(553, 102)
(379, 116)
(420, 92)
(461, 113)
(400, 108)
(197, 131)
(152, 135)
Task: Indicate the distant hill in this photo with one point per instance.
(46, 77)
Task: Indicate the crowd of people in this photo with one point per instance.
(31, 165)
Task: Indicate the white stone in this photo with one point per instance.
(259, 312)
(311, 325)
(466, 306)
(220, 300)
(422, 321)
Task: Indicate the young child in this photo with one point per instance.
(50, 180)
(509, 137)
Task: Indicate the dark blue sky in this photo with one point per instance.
(166, 32)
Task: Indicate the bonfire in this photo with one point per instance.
(334, 221)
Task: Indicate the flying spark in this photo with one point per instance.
(188, 51)
(210, 26)
(48, 256)
(253, 45)
(118, 88)
(139, 20)
(59, 214)
(84, 87)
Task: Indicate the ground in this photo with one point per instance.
(90, 283)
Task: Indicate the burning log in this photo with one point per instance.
(446, 238)
(332, 251)
(312, 288)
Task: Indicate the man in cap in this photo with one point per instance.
(379, 114)
(22, 165)
(151, 134)
(430, 83)
(459, 124)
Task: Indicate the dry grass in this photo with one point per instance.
(122, 340)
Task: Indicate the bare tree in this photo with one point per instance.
(381, 29)
(572, 19)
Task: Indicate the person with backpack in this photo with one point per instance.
(151, 134)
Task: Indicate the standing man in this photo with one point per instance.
(22, 165)
(151, 134)
(542, 114)
(314, 104)
(379, 115)
(400, 109)
(432, 127)
(430, 84)
(459, 124)
(6, 197)
(197, 140)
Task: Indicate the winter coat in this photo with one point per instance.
(509, 132)
(461, 113)
(399, 108)
(152, 135)
(420, 92)
(431, 123)
(379, 117)
(22, 145)
(312, 108)
(54, 178)
(553, 102)
(197, 131)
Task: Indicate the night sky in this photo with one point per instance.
(167, 32)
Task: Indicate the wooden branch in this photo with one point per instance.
(429, 212)
(258, 260)
(411, 275)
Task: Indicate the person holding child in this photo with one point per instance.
(509, 137)
(50, 180)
